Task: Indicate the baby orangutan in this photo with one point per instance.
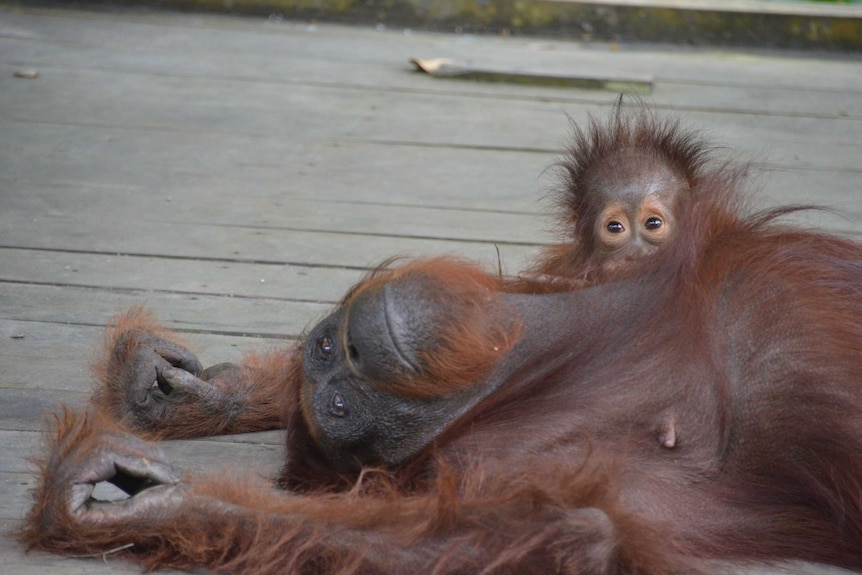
(626, 188)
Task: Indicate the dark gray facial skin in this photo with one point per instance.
(378, 338)
(353, 420)
(354, 363)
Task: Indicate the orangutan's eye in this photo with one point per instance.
(337, 406)
(324, 345)
(653, 223)
(615, 227)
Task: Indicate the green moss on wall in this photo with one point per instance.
(569, 19)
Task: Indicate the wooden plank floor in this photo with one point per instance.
(238, 175)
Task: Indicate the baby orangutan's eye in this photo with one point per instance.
(653, 223)
(615, 227)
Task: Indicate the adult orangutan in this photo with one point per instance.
(694, 400)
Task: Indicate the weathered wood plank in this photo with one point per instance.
(236, 243)
(247, 317)
(46, 356)
(28, 409)
(268, 208)
(671, 87)
(188, 275)
(185, 275)
(166, 165)
(251, 110)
